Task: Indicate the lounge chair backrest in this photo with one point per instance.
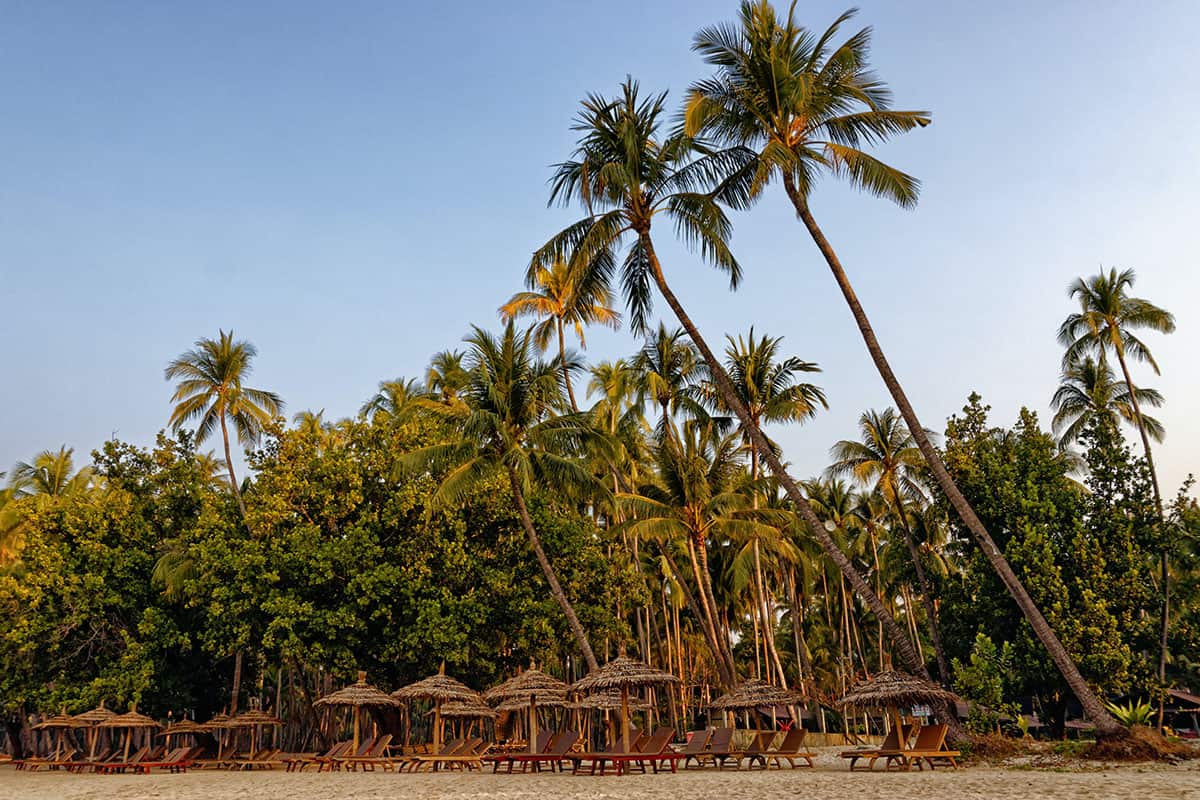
(364, 748)
(761, 741)
(451, 747)
(697, 742)
(380, 746)
(931, 737)
(722, 740)
(138, 756)
(542, 743)
(793, 741)
(634, 736)
(891, 741)
(562, 743)
(657, 743)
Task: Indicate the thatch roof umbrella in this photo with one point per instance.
(752, 693)
(356, 696)
(90, 720)
(891, 690)
(527, 688)
(218, 723)
(184, 727)
(59, 722)
(439, 688)
(129, 721)
(623, 673)
(255, 718)
(470, 710)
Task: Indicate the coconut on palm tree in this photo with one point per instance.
(562, 296)
(1090, 389)
(507, 425)
(886, 460)
(626, 172)
(1107, 321)
(803, 106)
(209, 390)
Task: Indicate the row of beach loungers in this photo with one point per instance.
(554, 751)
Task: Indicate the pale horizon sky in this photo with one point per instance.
(350, 186)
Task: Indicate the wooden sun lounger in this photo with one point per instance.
(263, 759)
(756, 751)
(696, 745)
(119, 765)
(620, 756)
(409, 761)
(720, 750)
(178, 760)
(889, 748)
(50, 762)
(929, 747)
(376, 756)
(541, 744)
(296, 762)
(791, 750)
(554, 754)
(470, 756)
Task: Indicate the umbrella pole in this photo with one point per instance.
(899, 723)
(128, 734)
(532, 725)
(437, 727)
(625, 718)
(356, 715)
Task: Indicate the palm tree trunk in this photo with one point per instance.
(1164, 565)
(720, 642)
(926, 595)
(1106, 724)
(725, 387)
(708, 629)
(556, 589)
(562, 358)
(229, 465)
(237, 683)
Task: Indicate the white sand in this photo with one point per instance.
(829, 780)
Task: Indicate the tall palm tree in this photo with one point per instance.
(210, 390)
(395, 403)
(446, 376)
(626, 173)
(769, 389)
(1106, 321)
(507, 426)
(886, 460)
(667, 369)
(618, 413)
(562, 296)
(805, 106)
(1088, 389)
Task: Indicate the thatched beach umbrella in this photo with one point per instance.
(59, 723)
(752, 693)
(184, 727)
(528, 688)
(255, 718)
(357, 696)
(439, 688)
(91, 720)
(129, 721)
(218, 723)
(471, 711)
(893, 690)
(623, 673)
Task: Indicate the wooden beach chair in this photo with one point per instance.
(296, 762)
(376, 756)
(67, 756)
(618, 755)
(657, 751)
(791, 750)
(468, 755)
(554, 755)
(720, 749)
(756, 751)
(541, 745)
(696, 746)
(929, 747)
(890, 747)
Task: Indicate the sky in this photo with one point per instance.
(351, 185)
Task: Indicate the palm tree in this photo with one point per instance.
(769, 390)
(618, 414)
(667, 369)
(1106, 321)
(446, 376)
(626, 173)
(804, 106)
(51, 474)
(210, 390)
(507, 426)
(311, 423)
(212, 470)
(395, 403)
(562, 296)
(1090, 389)
(886, 460)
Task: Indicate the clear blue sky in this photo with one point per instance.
(349, 185)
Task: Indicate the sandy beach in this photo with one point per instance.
(829, 780)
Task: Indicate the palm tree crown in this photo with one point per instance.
(1090, 388)
(1108, 317)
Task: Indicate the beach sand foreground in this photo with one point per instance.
(829, 780)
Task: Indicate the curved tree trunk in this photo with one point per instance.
(709, 632)
(556, 589)
(926, 595)
(1106, 725)
(728, 394)
(229, 465)
(562, 358)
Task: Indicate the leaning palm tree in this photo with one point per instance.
(1089, 389)
(562, 296)
(626, 173)
(209, 390)
(805, 106)
(886, 460)
(1106, 321)
(507, 426)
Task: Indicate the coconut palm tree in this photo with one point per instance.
(446, 376)
(562, 296)
(50, 474)
(1106, 321)
(395, 403)
(667, 369)
(210, 390)
(626, 173)
(805, 106)
(311, 423)
(1088, 389)
(886, 460)
(507, 425)
(618, 413)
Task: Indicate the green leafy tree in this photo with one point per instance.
(804, 106)
(209, 390)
